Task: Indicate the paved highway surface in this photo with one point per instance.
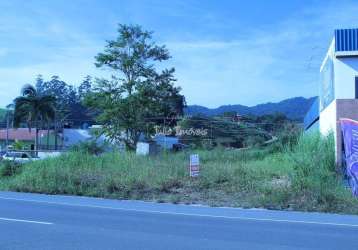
(34, 221)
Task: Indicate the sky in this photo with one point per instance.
(224, 52)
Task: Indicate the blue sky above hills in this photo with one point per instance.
(225, 52)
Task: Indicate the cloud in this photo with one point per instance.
(241, 71)
(42, 45)
(218, 60)
(72, 64)
(266, 64)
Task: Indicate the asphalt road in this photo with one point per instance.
(33, 221)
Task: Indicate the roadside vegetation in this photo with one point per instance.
(246, 161)
(300, 176)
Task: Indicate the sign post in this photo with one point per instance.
(350, 138)
(194, 166)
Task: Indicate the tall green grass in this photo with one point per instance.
(315, 181)
(299, 177)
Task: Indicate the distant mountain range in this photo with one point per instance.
(294, 108)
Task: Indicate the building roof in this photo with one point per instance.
(346, 42)
(21, 134)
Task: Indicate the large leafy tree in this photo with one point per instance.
(79, 113)
(137, 96)
(33, 109)
(69, 105)
(69, 108)
(62, 91)
(85, 87)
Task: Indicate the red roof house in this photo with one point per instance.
(21, 134)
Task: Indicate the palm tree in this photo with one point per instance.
(34, 109)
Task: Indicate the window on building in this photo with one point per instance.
(356, 87)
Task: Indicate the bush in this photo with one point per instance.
(89, 147)
(287, 138)
(9, 168)
(18, 145)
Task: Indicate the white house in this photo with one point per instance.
(338, 88)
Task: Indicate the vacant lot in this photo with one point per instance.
(300, 177)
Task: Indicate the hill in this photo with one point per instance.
(294, 108)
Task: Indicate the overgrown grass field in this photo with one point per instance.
(298, 177)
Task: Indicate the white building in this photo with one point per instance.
(338, 93)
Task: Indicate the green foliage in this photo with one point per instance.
(89, 147)
(294, 108)
(137, 93)
(9, 168)
(222, 131)
(301, 177)
(34, 109)
(315, 177)
(289, 134)
(18, 145)
(69, 99)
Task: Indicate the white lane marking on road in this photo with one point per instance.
(26, 221)
(186, 214)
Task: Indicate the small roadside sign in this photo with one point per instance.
(194, 166)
